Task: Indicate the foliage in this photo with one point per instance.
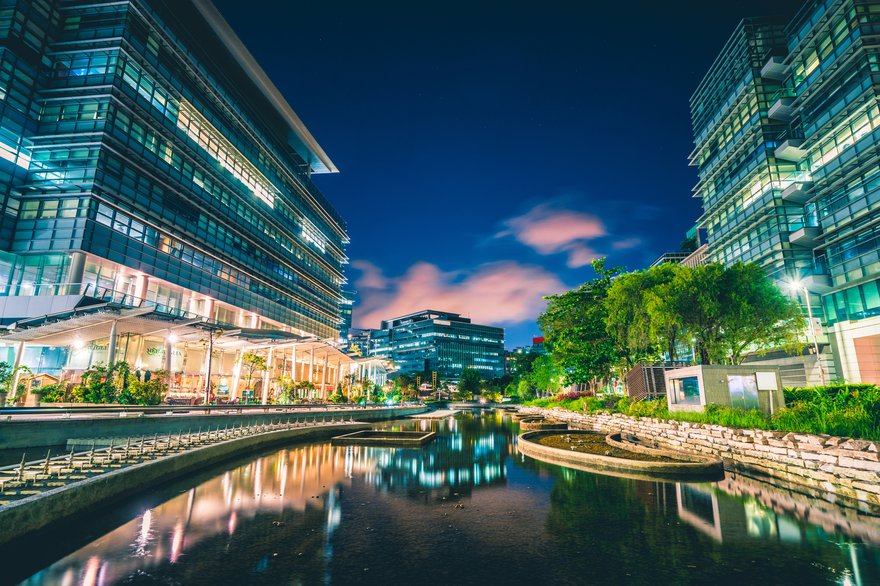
(7, 377)
(252, 363)
(525, 390)
(841, 410)
(470, 382)
(574, 326)
(338, 398)
(150, 392)
(56, 393)
(546, 376)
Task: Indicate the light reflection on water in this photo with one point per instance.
(467, 508)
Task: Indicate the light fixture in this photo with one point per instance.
(78, 344)
(172, 338)
(795, 285)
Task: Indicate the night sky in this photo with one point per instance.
(489, 150)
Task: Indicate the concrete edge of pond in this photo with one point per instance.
(38, 512)
(400, 439)
(690, 466)
(539, 424)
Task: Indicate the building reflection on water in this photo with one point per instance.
(304, 479)
(290, 503)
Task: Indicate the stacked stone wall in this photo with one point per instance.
(825, 466)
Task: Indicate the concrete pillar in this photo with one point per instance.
(168, 349)
(324, 377)
(141, 282)
(111, 344)
(75, 273)
(266, 374)
(236, 375)
(293, 366)
(207, 365)
(312, 367)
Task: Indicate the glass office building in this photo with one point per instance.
(786, 131)
(442, 342)
(145, 157)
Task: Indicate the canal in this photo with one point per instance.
(464, 509)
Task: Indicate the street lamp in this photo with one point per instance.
(796, 286)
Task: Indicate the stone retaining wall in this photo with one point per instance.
(828, 467)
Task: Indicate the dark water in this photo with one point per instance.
(465, 509)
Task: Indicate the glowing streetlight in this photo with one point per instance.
(796, 286)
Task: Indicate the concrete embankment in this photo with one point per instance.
(40, 512)
(841, 470)
(54, 432)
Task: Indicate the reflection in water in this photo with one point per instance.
(324, 514)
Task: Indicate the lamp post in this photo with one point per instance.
(796, 287)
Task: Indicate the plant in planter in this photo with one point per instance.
(54, 393)
(7, 378)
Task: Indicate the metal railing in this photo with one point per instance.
(125, 410)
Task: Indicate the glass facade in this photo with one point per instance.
(142, 152)
(786, 131)
(440, 341)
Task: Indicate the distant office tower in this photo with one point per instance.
(147, 161)
(785, 125)
(440, 341)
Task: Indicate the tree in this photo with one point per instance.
(525, 390)
(545, 376)
(729, 311)
(252, 362)
(574, 326)
(469, 383)
(638, 329)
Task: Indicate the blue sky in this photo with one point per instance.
(489, 150)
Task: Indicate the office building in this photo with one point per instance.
(148, 163)
(785, 125)
(439, 341)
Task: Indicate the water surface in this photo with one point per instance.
(464, 509)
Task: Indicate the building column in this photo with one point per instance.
(111, 344)
(168, 361)
(324, 376)
(75, 273)
(266, 374)
(236, 375)
(312, 367)
(293, 367)
(141, 282)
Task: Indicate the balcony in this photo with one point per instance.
(791, 150)
(775, 69)
(807, 236)
(782, 109)
(798, 192)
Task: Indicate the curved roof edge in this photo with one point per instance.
(320, 162)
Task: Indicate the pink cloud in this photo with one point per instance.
(549, 231)
(371, 275)
(503, 292)
(580, 255)
(626, 243)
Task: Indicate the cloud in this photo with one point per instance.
(626, 243)
(504, 292)
(371, 275)
(550, 230)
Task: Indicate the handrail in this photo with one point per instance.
(166, 409)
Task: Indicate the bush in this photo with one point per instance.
(56, 393)
(338, 398)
